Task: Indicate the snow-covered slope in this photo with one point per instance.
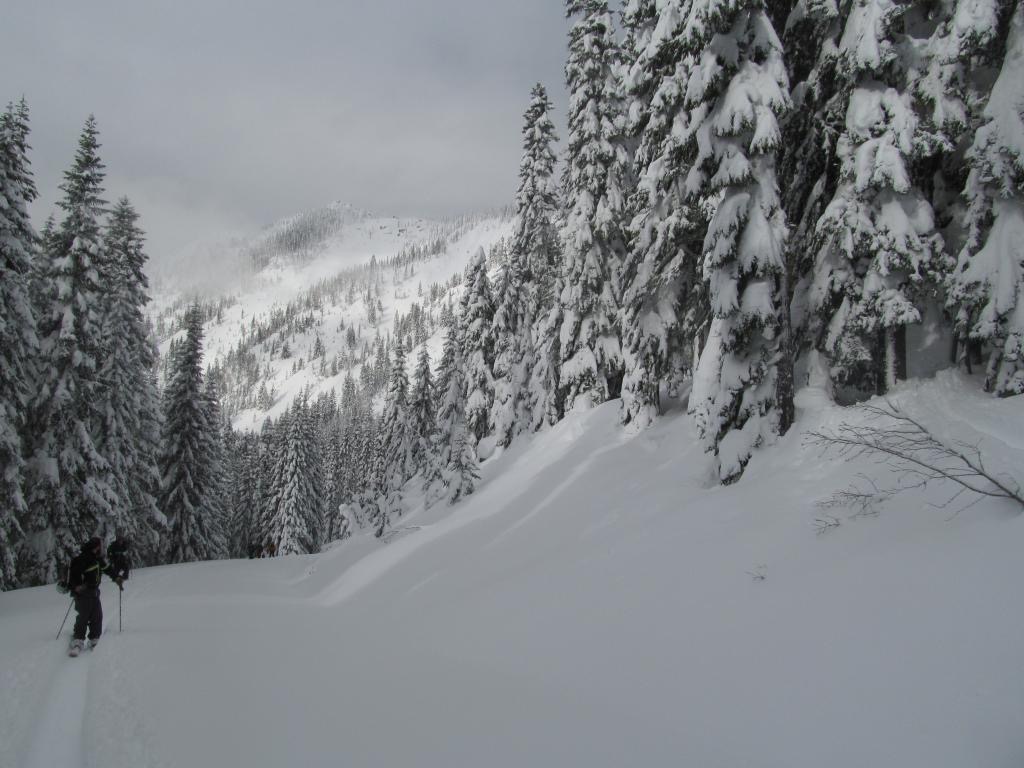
(593, 604)
(288, 274)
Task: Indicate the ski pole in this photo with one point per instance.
(65, 620)
(120, 592)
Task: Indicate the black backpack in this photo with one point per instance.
(64, 585)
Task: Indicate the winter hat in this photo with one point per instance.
(94, 543)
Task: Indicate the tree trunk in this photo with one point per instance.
(784, 387)
(889, 361)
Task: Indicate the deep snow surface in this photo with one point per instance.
(594, 604)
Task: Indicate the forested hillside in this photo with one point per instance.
(752, 195)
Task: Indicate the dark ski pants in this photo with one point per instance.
(89, 612)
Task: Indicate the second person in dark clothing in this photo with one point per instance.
(120, 557)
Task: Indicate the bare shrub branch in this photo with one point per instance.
(914, 455)
(824, 524)
(760, 573)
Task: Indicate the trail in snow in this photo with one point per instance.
(57, 738)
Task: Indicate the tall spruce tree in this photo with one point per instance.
(394, 446)
(217, 467)
(536, 234)
(296, 495)
(476, 322)
(593, 240)
(190, 489)
(877, 244)
(455, 454)
(513, 352)
(809, 165)
(243, 450)
(18, 339)
(987, 287)
(422, 414)
(531, 275)
(736, 91)
(130, 435)
(72, 497)
(665, 303)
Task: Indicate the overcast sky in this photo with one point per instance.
(220, 117)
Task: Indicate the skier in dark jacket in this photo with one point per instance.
(84, 576)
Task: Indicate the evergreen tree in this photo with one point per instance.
(478, 346)
(189, 492)
(71, 497)
(594, 244)
(546, 395)
(536, 236)
(422, 414)
(877, 245)
(394, 446)
(296, 494)
(455, 454)
(809, 168)
(18, 340)
(735, 92)
(333, 473)
(130, 435)
(987, 287)
(243, 453)
(665, 304)
(217, 468)
(266, 465)
(530, 275)
(513, 352)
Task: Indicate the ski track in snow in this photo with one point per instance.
(57, 739)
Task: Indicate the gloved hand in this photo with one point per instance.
(120, 583)
(78, 590)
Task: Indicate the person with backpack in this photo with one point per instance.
(120, 559)
(84, 575)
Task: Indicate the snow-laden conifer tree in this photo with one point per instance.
(18, 340)
(947, 78)
(333, 462)
(877, 245)
(665, 302)
(296, 496)
(593, 241)
(422, 414)
(129, 438)
(71, 497)
(513, 352)
(808, 164)
(394, 446)
(454, 451)
(536, 234)
(547, 399)
(243, 450)
(530, 277)
(736, 90)
(189, 486)
(217, 477)
(987, 287)
(476, 323)
(266, 463)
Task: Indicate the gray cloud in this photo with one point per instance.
(222, 116)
